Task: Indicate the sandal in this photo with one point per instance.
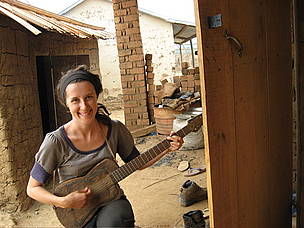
(194, 171)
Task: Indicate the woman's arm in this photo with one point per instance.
(75, 199)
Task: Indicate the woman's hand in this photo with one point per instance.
(176, 141)
(77, 199)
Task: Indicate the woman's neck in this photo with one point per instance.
(82, 130)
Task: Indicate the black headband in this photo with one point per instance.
(84, 75)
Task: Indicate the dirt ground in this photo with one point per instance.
(153, 192)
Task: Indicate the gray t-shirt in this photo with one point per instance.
(58, 152)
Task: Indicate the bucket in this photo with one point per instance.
(164, 118)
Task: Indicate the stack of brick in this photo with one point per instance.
(131, 59)
(150, 86)
(190, 80)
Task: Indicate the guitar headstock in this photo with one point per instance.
(196, 122)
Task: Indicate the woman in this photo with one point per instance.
(77, 146)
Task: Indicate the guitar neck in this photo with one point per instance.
(138, 162)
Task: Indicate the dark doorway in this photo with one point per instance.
(49, 71)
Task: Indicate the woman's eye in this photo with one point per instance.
(74, 100)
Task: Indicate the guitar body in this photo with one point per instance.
(102, 186)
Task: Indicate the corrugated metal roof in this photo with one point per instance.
(36, 19)
(183, 33)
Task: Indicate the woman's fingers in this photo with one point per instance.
(77, 199)
(176, 141)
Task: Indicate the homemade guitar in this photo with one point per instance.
(103, 180)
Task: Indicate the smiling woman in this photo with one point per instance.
(89, 140)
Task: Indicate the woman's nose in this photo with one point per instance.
(83, 104)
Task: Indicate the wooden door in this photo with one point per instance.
(247, 123)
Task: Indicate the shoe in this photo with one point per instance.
(191, 193)
(194, 219)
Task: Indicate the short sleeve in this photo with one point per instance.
(126, 148)
(47, 159)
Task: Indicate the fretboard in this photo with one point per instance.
(138, 162)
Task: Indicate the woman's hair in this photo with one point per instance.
(78, 74)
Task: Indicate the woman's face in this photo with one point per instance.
(81, 99)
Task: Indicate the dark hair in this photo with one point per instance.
(78, 74)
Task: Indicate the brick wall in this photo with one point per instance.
(131, 63)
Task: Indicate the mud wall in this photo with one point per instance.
(20, 122)
(20, 118)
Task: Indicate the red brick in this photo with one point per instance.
(136, 58)
(197, 82)
(124, 52)
(130, 18)
(149, 69)
(123, 72)
(197, 88)
(190, 71)
(151, 87)
(190, 84)
(148, 62)
(122, 39)
(196, 76)
(130, 104)
(139, 50)
(135, 37)
(133, 10)
(132, 31)
(183, 78)
(122, 59)
(151, 100)
(138, 64)
(124, 85)
(128, 110)
(148, 56)
(128, 78)
(138, 70)
(138, 83)
(189, 77)
(120, 12)
(131, 116)
(134, 44)
(126, 65)
(140, 109)
(127, 4)
(150, 75)
(184, 84)
(128, 91)
(140, 89)
(144, 122)
(140, 77)
(150, 81)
